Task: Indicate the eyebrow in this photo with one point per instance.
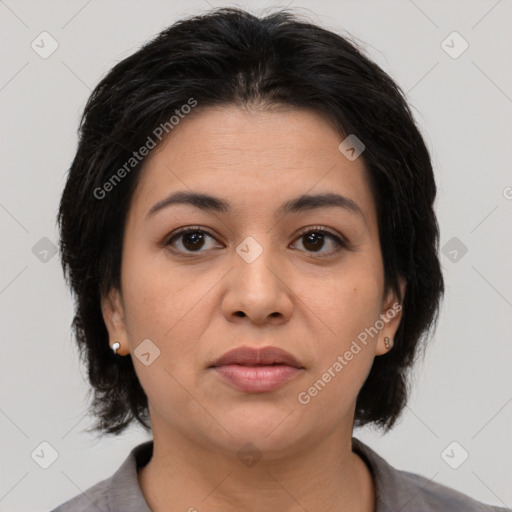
(302, 203)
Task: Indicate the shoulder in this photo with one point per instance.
(119, 493)
(429, 495)
(93, 499)
(410, 492)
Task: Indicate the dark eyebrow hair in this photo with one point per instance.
(299, 204)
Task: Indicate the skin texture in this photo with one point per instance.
(293, 298)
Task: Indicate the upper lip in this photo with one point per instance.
(257, 356)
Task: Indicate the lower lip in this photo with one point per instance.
(257, 379)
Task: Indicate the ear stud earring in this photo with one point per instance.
(115, 347)
(388, 343)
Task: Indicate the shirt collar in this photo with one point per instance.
(392, 491)
(125, 493)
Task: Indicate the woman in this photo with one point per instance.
(249, 232)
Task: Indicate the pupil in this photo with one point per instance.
(314, 239)
(195, 238)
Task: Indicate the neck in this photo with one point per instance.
(324, 477)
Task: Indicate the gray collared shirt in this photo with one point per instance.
(396, 490)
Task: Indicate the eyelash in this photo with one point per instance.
(340, 242)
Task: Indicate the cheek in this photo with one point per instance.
(332, 393)
(151, 303)
(165, 304)
(344, 356)
(349, 304)
(161, 308)
(349, 301)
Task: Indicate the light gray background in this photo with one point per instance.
(462, 391)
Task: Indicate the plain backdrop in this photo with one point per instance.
(463, 103)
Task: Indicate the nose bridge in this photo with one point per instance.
(257, 289)
(256, 261)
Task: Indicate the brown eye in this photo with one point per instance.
(189, 240)
(315, 239)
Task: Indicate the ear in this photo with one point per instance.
(112, 309)
(390, 315)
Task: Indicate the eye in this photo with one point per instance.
(194, 239)
(191, 240)
(314, 241)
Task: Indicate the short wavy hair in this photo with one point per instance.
(228, 56)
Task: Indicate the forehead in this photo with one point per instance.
(253, 159)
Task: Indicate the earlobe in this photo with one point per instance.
(113, 316)
(390, 319)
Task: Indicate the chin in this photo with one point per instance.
(268, 427)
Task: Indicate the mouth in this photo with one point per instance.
(257, 370)
(266, 356)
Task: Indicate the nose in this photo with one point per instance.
(258, 290)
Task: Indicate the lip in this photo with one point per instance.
(257, 370)
(248, 356)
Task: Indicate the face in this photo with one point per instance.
(307, 279)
